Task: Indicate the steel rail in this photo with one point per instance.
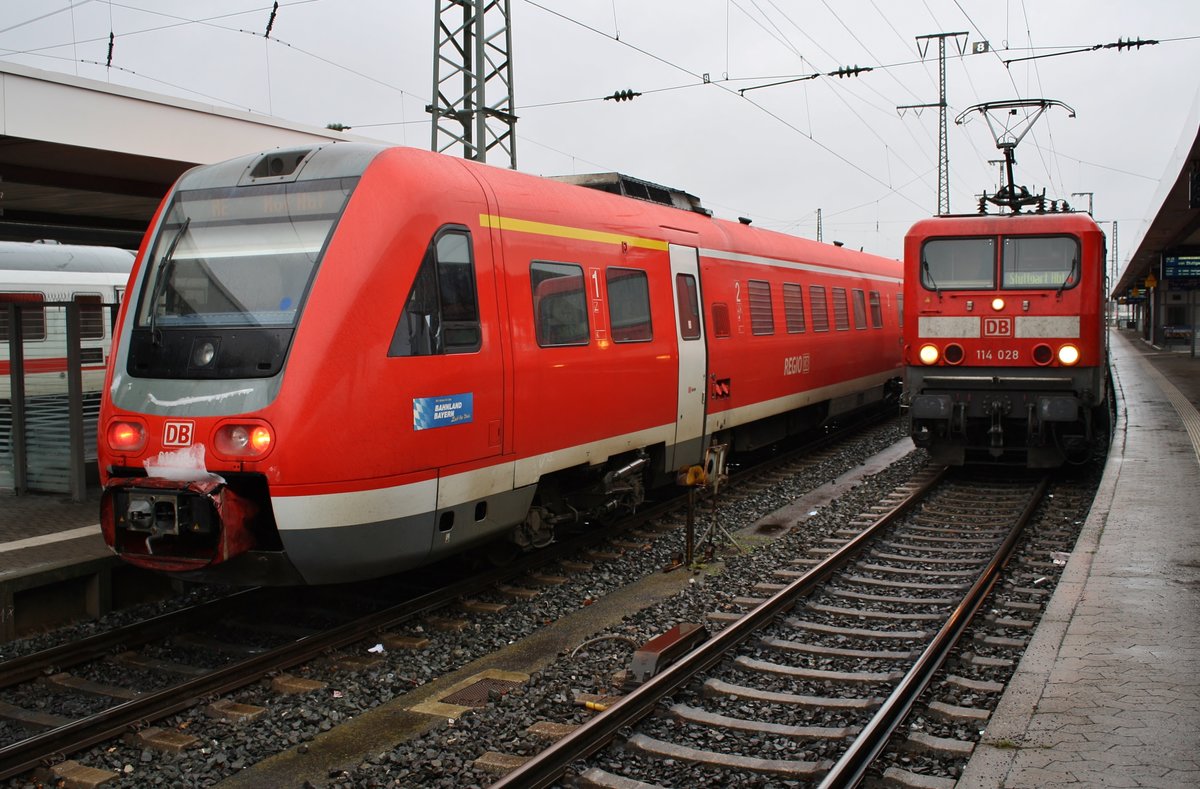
(549, 765)
(36, 664)
(852, 767)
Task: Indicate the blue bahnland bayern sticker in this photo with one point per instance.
(442, 411)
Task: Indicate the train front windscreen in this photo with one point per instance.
(231, 267)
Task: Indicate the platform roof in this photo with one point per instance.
(83, 161)
(1176, 223)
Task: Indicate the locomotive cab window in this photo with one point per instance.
(441, 314)
(559, 304)
(1033, 262)
(628, 305)
(958, 264)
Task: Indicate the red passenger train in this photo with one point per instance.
(1004, 339)
(343, 361)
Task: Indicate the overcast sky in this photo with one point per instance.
(774, 154)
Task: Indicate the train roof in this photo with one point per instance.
(970, 224)
(55, 257)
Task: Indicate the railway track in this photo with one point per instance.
(810, 683)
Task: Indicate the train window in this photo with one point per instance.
(900, 310)
(628, 305)
(860, 308)
(793, 307)
(91, 317)
(958, 263)
(1040, 262)
(841, 310)
(240, 256)
(876, 310)
(720, 319)
(559, 304)
(762, 317)
(689, 306)
(33, 315)
(441, 314)
(820, 309)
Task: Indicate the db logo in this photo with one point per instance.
(178, 434)
(997, 327)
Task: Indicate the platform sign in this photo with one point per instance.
(1181, 266)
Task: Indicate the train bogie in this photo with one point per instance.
(409, 354)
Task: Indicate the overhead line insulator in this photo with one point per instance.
(1131, 43)
(623, 95)
(850, 71)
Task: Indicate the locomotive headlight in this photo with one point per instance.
(997, 304)
(928, 354)
(243, 441)
(126, 436)
(1068, 355)
(203, 353)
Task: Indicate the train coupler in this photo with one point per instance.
(996, 431)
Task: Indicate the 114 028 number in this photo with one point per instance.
(1001, 355)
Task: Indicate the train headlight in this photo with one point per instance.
(928, 354)
(1068, 355)
(126, 436)
(997, 304)
(243, 441)
(954, 353)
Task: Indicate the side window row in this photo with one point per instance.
(560, 304)
(33, 315)
(441, 314)
(796, 320)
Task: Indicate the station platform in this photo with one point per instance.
(1108, 692)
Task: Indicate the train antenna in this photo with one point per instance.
(1009, 122)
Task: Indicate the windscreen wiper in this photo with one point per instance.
(160, 278)
(1070, 274)
(929, 276)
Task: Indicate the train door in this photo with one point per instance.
(689, 333)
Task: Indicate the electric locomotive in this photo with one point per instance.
(1005, 347)
(341, 361)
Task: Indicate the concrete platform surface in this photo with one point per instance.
(1108, 693)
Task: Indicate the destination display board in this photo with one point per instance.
(1181, 266)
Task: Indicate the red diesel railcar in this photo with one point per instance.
(343, 361)
(1004, 340)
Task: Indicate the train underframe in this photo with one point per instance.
(1042, 422)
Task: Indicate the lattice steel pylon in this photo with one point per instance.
(943, 138)
(472, 63)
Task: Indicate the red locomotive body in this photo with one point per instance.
(1004, 341)
(343, 361)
